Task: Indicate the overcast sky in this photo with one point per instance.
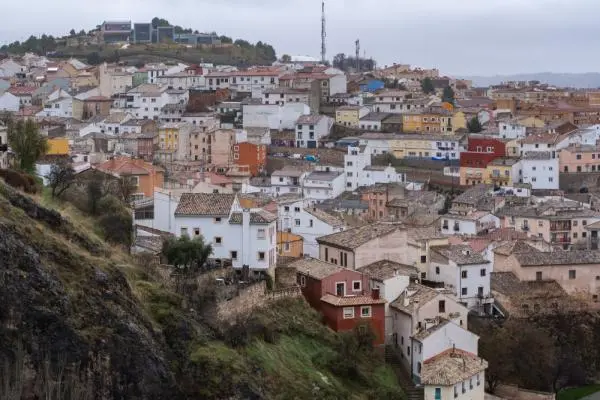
(460, 37)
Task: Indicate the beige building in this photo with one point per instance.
(560, 222)
(113, 80)
(357, 247)
(420, 243)
(576, 271)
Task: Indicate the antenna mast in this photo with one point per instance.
(323, 33)
(357, 44)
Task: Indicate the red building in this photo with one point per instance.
(486, 144)
(342, 295)
(252, 155)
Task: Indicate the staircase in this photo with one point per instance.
(392, 358)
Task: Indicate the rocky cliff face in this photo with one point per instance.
(69, 324)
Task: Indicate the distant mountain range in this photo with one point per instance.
(583, 80)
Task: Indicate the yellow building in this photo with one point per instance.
(459, 121)
(350, 115)
(472, 176)
(513, 148)
(503, 171)
(426, 122)
(415, 146)
(532, 122)
(290, 245)
(58, 146)
(169, 136)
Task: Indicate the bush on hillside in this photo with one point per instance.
(116, 221)
(20, 180)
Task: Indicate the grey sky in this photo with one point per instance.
(460, 37)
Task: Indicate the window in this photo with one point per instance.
(196, 231)
(574, 235)
(349, 164)
(233, 255)
(184, 231)
(583, 234)
(260, 234)
(575, 223)
(286, 208)
(365, 312)
(261, 256)
(584, 222)
(423, 259)
(437, 270)
(538, 276)
(356, 286)
(572, 274)
(464, 274)
(297, 222)
(296, 209)
(348, 312)
(438, 394)
(540, 223)
(218, 240)
(442, 306)
(302, 280)
(482, 272)
(310, 223)
(464, 291)
(218, 220)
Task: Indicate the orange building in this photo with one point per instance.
(252, 155)
(146, 175)
(290, 245)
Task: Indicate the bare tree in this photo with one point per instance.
(61, 177)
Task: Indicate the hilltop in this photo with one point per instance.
(81, 320)
(574, 80)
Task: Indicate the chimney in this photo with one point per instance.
(246, 249)
(375, 293)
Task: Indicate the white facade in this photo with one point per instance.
(287, 181)
(181, 81)
(337, 83)
(324, 185)
(312, 128)
(371, 175)
(204, 122)
(9, 68)
(355, 161)
(375, 145)
(273, 116)
(390, 289)
(9, 102)
(541, 173)
(370, 124)
(282, 96)
(511, 130)
(470, 282)
(470, 224)
(296, 218)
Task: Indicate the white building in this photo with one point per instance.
(411, 311)
(547, 142)
(445, 346)
(540, 169)
(472, 223)
(112, 125)
(246, 237)
(182, 81)
(312, 128)
(511, 130)
(359, 172)
(324, 185)
(466, 273)
(147, 100)
(287, 180)
(372, 121)
(203, 121)
(9, 102)
(377, 143)
(391, 278)
(273, 116)
(9, 68)
(58, 104)
(298, 217)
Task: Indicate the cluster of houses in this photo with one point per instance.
(370, 246)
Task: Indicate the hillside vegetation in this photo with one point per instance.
(80, 320)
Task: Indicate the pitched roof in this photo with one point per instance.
(461, 254)
(124, 166)
(315, 268)
(356, 237)
(386, 269)
(210, 204)
(417, 295)
(256, 217)
(572, 257)
(451, 367)
(351, 301)
(324, 216)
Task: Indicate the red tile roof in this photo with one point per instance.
(127, 166)
(22, 90)
(351, 301)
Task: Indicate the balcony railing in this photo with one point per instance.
(474, 175)
(525, 228)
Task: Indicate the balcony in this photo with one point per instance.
(525, 228)
(474, 175)
(560, 226)
(499, 178)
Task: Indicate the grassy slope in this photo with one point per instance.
(293, 360)
(578, 393)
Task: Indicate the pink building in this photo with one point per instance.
(580, 158)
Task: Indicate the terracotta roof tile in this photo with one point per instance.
(386, 269)
(351, 301)
(356, 237)
(451, 367)
(256, 217)
(315, 268)
(210, 204)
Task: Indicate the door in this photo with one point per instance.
(340, 289)
(438, 393)
(311, 144)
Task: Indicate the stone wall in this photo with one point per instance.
(250, 298)
(513, 392)
(285, 276)
(573, 182)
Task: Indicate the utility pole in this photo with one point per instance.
(323, 33)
